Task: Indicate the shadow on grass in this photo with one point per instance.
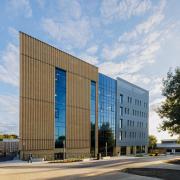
(170, 174)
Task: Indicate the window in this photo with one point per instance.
(121, 98)
(121, 111)
(120, 135)
(93, 116)
(120, 123)
(60, 108)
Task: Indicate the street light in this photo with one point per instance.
(106, 148)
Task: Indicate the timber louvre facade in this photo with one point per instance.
(38, 62)
(68, 108)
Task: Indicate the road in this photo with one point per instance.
(103, 169)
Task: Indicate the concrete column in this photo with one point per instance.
(146, 149)
(128, 150)
(134, 150)
(117, 151)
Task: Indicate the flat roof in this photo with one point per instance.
(118, 78)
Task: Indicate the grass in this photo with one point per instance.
(66, 160)
(139, 155)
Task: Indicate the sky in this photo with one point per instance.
(138, 40)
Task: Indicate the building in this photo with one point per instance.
(106, 115)
(8, 146)
(169, 146)
(132, 118)
(67, 108)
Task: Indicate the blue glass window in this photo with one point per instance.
(60, 108)
(106, 108)
(93, 116)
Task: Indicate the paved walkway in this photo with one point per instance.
(103, 169)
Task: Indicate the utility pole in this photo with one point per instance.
(106, 148)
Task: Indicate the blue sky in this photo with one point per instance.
(138, 40)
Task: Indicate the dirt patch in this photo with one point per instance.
(169, 174)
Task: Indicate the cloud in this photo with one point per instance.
(110, 53)
(137, 48)
(20, 7)
(124, 9)
(9, 65)
(9, 110)
(74, 33)
(70, 9)
(92, 49)
(13, 32)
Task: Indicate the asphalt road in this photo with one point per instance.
(103, 169)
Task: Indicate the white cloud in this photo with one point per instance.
(124, 9)
(136, 48)
(9, 110)
(92, 49)
(13, 32)
(70, 9)
(9, 65)
(110, 53)
(75, 33)
(20, 6)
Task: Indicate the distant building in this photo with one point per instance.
(169, 146)
(9, 146)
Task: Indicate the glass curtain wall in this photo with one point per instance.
(60, 108)
(93, 116)
(106, 113)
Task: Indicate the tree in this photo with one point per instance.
(152, 141)
(170, 108)
(105, 135)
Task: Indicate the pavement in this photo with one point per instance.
(93, 169)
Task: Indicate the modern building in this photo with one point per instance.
(132, 118)
(169, 146)
(68, 109)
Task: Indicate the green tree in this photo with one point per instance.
(169, 110)
(105, 135)
(152, 141)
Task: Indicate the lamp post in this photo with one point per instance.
(106, 148)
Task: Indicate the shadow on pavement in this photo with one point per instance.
(170, 174)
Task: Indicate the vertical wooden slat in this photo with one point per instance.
(37, 67)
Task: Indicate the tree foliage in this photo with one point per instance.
(169, 110)
(8, 136)
(152, 141)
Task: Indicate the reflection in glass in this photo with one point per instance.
(93, 116)
(60, 107)
(106, 109)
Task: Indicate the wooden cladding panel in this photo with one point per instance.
(52, 56)
(37, 81)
